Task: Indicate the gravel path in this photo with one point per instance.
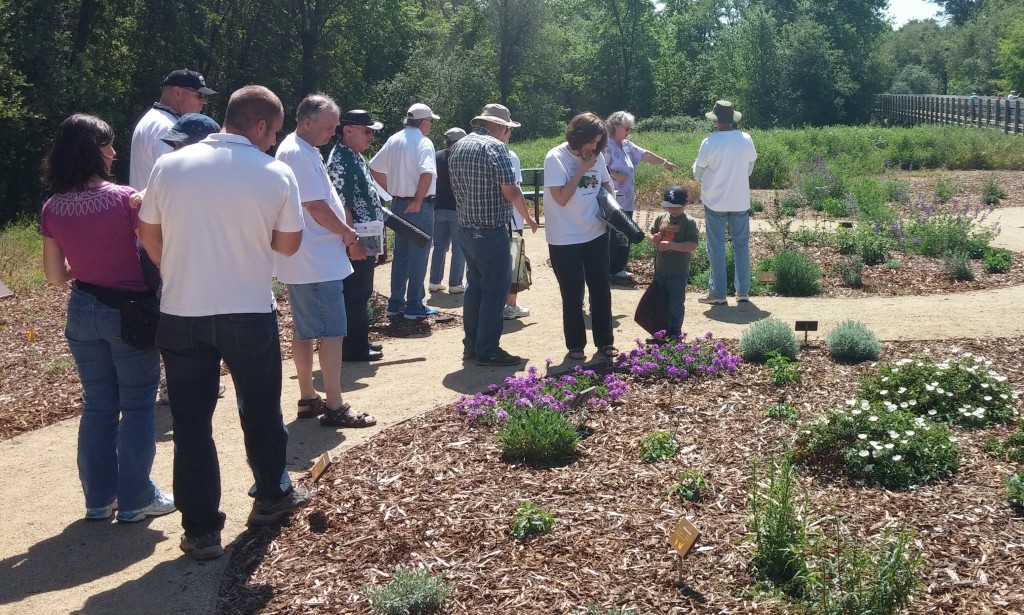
(55, 562)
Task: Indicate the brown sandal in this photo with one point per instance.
(345, 417)
(610, 351)
(308, 408)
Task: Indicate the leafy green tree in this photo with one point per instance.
(915, 79)
(747, 68)
(814, 79)
(1010, 58)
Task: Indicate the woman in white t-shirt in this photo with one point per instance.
(573, 174)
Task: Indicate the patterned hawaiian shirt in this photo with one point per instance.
(351, 177)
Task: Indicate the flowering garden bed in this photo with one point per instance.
(435, 492)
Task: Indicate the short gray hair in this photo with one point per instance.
(620, 118)
(315, 104)
(415, 123)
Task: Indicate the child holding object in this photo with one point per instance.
(675, 236)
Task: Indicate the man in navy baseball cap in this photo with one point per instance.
(188, 79)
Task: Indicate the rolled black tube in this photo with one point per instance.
(613, 215)
(405, 228)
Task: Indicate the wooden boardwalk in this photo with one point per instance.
(977, 111)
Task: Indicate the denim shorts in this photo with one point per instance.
(318, 310)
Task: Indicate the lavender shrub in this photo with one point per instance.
(678, 359)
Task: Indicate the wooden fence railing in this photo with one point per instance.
(979, 111)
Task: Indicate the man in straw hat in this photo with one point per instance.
(723, 167)
(484, 183)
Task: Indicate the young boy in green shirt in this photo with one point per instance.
(675, 235)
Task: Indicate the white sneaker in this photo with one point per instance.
(220, 389)
(511, 312)
(435, 287)
(742, 297)
(161, 505)
(712, 300)
(457, 290)
(625, 275)
(161, 393)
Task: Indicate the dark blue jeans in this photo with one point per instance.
(673, 288)
(488, 277)
(575, 265)
(358, 289)
(192, 349)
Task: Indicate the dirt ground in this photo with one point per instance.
(54, 562)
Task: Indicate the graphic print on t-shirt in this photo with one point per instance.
(588, 181)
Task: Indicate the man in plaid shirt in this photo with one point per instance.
(485, 188)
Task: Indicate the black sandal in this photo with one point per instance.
(345, 417)
(308, 408)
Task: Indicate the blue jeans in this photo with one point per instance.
(117, 433)
(739, 228)
(192, 348)
(488, 276)
(446, 231)
(575, 265)
(409, 264)
(673, 288)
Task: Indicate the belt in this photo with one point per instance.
(409, 198)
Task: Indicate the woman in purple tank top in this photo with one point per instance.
(89, 238)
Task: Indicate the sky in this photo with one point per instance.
(903, 11)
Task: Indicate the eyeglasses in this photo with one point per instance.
(198, 94)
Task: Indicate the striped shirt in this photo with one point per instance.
(479, 166)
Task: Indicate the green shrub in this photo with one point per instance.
(958, 266)
(844, 240)
(807, 236)
(765, 336)
(963, 390)
(992, 191)
(837, 208)
(816, 183)
(1015, 489)
(783, 370)
(672, 123)
(779, 533)
(530, 520)
(783, 411)
(537, 435)
(874, 247)
(946, 188)
(657, 446)
(852, 342)
(410, 593)
(690, 486)
(846, 577)
(796, 275)
(1010, 449)
(880, 443)
(893, 265)
(896, 191)
(773, 168)
(790, 205)
(756, 206)
(997, 260)
(944, 233)
(851, 271)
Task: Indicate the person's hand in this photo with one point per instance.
(588, 163)
(357, 252)
(414, 207)
(665, 246)
(532, 224)
(135, 200)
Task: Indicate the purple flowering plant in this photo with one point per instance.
(678, 359)
(532, 389)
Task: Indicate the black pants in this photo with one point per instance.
(576, 265)
(358, 289)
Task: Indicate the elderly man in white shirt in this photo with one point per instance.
(723, 167)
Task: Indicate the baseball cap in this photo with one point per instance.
(185, 78)
(675, 196)
(419, 111)
(454, 134)
(190, 128)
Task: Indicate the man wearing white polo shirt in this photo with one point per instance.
(314, 274)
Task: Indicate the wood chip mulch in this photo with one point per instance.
(434, 492)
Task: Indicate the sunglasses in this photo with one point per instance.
(199, 94)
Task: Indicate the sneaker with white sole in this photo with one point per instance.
(712, 300)
(161, 505)
(102, 513)
(161, 392)
(457, 290)
(435, 287)
(511, 312)
(202, 547)
(417, 315)
(743, 298)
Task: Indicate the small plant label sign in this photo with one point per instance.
(683, 537)
(321, 466)
(767, 276)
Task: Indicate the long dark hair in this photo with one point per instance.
(75, 156)
(583, 129)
